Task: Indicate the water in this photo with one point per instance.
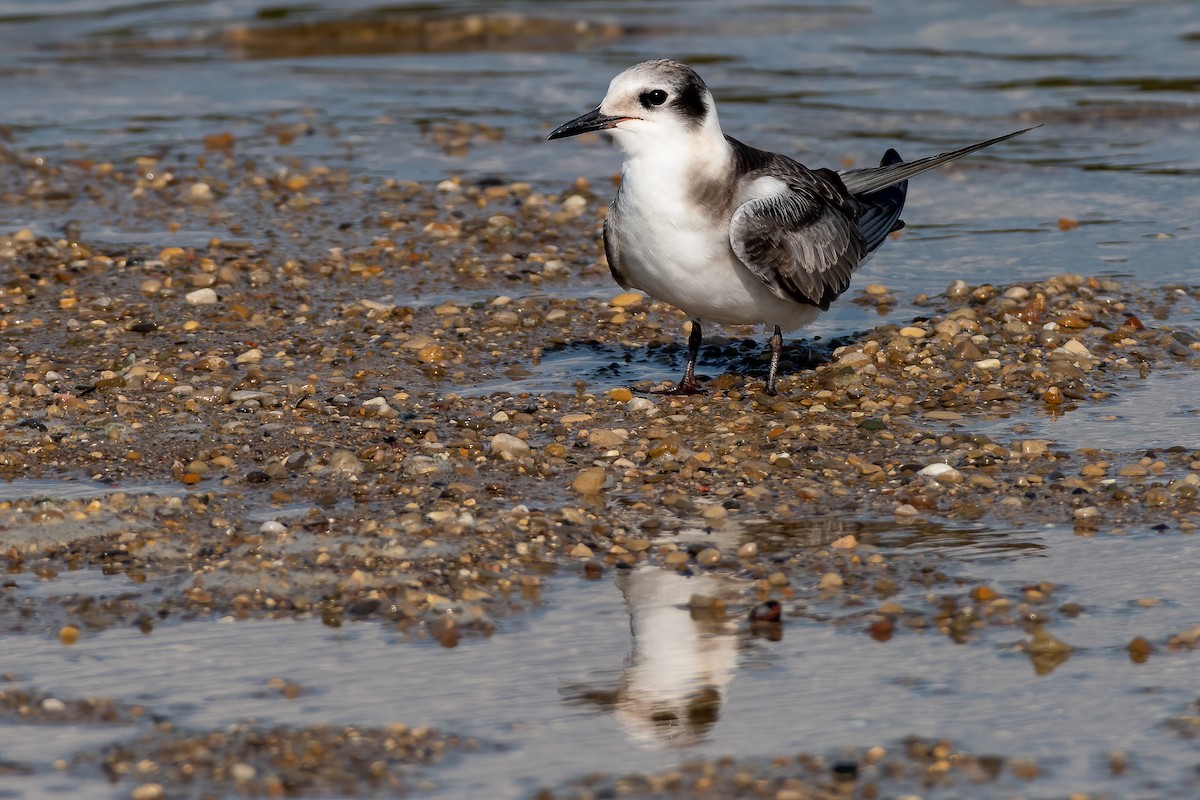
(820, 687)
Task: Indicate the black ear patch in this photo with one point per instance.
(689, 99)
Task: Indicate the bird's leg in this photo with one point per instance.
(687, 384)
(776, 345)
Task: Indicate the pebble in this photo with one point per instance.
(831, 580)
(708, 557)
(912, 332)
(641, 405)
(201, 297)
(509, 447)
(148, 791)
(1076, 348)
(935, 469)
(590, 481)
(627, 300)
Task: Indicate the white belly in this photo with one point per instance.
(684, 260)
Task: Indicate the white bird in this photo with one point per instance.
(723, 231)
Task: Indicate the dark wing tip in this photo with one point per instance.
(890, 157)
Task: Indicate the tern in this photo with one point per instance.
(728, 233)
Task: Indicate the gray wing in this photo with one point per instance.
(803, 242)
(612, 245)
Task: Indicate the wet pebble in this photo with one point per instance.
(201, 297)
(590, 481)
(509, 447)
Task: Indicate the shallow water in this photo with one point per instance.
(820, 687)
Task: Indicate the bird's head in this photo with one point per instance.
(656, 107)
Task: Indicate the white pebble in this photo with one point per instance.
(201, 297)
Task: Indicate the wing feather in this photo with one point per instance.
(612, 245)
(803, 242)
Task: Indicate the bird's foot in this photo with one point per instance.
(684, 387)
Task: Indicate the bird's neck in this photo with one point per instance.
(673, 167)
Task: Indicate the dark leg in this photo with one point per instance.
(687, 384)
(776, 344)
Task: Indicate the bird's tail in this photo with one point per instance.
(879, 211)
(871, 179)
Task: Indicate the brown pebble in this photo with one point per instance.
(1140, 650)
(69, 634)
(881, 630)
(590, 481)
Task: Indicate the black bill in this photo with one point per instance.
(591, 121)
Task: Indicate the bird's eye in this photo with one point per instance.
(654, 97)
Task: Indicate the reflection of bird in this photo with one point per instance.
(723, 231)
(675, 677)
(674, 680)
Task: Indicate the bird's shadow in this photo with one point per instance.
(613, 364)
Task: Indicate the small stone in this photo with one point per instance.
(509, 447)
(715, 512)
(1032, 448)
(621, 395)
(580, 551)
(847, 542)
(201, 297)
(708, 557)
(942, 473)
(344, 462)
(747, 550)
(912, 332)
(52, 705)
(272, 527)
(676, 558)
(251, 356)
(881, 630)
(641, 405)
(1076, 348)
(876, 289)
(243, 773)
(1086, 515)
(147, 791)
(1043, 643)
(831, 580)
(590, 481)
(627, 300)
(988, 363)
(68, 634)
